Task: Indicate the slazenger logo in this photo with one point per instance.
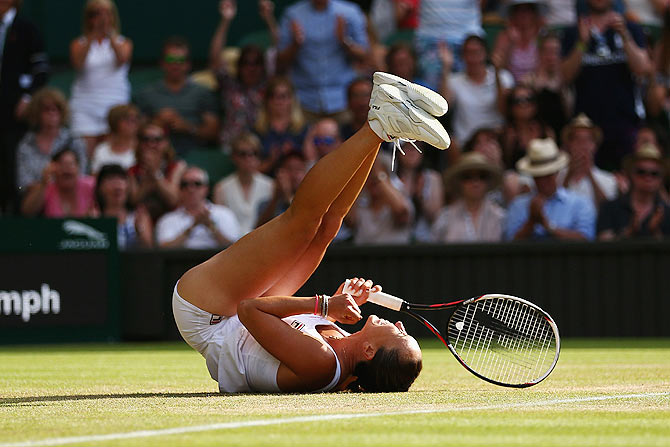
(94, 239)
(29, 302)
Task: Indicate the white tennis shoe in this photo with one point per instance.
(393, 116)
(421, 96)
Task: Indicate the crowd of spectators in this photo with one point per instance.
(559, 123)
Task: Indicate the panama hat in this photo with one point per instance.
(581, 121)
(645, 152)
(508, 5)
(542, 158)
(472, 161)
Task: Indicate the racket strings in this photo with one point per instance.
(503, 339)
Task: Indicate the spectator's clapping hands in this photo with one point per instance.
(341, 29)
(48, 172)
(298, 33)
(618, 24)
(170, 118)
(536, 214)
(584, 29)
(201, 217)
(143, 224)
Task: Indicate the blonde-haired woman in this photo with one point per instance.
(101, 57)
(280, 123)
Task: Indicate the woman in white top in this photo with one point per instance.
(236, 308)
(477, 95)
(119, 148)
(101, 58)
(246, 188)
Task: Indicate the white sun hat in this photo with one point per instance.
(542, 158)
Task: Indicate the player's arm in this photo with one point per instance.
(307, 358)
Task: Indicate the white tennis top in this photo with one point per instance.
(241, 364)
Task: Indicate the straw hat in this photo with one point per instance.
(508, 5)
(581, 121)
(472, 161)
(542, 158)
(646, 152)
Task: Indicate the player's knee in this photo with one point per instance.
(330, 225)
(303, 224)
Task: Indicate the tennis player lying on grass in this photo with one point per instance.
(236, 308)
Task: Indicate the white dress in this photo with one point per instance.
(99, 86)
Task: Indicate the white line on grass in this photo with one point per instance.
(314, 418)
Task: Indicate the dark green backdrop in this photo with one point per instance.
(148, 23)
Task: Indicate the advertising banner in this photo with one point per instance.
(58, 280)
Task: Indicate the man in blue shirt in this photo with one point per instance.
(318, 41)
(552, 212)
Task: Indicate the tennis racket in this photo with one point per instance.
(502, 339)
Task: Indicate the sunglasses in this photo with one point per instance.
(647, 172)
(523, 99)
(151, 138)
(186, 183)
(324, 141)
(481, 176)
(244, 154)
(173, 59)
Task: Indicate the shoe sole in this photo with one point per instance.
(425, 98)
(418, 115)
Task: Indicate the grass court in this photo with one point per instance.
(602, 393)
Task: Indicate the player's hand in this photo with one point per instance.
(343, 309)
(360, 289)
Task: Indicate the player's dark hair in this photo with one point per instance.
(385, 373)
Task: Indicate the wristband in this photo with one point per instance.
(321, 305)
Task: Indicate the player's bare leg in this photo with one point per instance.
(253, 264)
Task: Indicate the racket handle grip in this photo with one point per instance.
(379, 298)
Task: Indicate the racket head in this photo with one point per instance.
(504, 340)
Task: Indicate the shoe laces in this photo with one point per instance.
(397, 146)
